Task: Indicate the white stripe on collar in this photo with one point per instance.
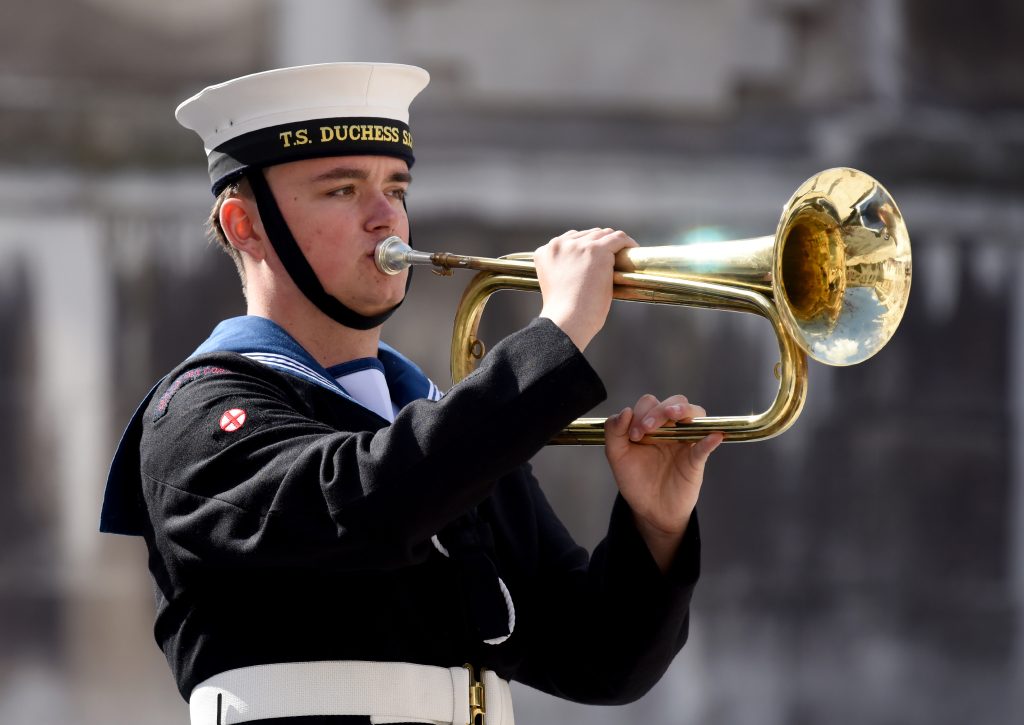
(289, 365)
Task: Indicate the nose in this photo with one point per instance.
(383, 213)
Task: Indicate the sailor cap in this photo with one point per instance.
(304, 112)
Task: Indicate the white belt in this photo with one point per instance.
(388, 692)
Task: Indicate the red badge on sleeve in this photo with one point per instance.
(232, 420)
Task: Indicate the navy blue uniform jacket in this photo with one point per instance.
(305, 534)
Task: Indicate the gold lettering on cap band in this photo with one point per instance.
(347, 132)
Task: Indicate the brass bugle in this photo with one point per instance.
(833, 281)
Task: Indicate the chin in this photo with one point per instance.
(377, 307)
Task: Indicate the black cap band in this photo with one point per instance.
(298, 267)
(308, 140)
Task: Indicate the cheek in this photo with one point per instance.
(317, 237)
(304, 225)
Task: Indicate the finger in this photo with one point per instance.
(616, 240)
(644, 405)
(687, 412)
(649, 417)
(676, 406)
(574, 234)
(565, 236)
(566, 242)
(628, 242)
(642, 412)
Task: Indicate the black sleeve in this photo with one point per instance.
(285, 489)
(604, 628)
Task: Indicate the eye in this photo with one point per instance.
(400, 193)
(343, 191)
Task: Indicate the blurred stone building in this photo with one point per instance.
(867, 566)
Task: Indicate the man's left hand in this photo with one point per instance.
(660, 480)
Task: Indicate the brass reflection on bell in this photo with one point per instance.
(833, 282)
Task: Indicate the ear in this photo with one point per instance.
(241, 224)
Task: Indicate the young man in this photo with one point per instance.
(330, 538)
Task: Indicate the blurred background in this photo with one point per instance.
(866, 567)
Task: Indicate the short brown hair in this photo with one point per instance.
(214, 230)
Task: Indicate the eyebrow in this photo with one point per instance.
(345, 172)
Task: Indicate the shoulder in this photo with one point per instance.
(218, 400)
(216, 375)
(214, 420)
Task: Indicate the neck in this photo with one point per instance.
(329, 342)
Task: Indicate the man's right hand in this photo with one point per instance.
(575, 274)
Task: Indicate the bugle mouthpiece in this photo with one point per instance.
(392, 255)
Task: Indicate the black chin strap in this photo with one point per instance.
(298, 268)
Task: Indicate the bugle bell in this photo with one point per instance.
(833, 282)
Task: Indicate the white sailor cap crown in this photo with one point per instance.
(303, 112)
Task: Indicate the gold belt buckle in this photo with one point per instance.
(476, 697)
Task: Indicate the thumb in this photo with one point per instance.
(616, 433)
(702, 449)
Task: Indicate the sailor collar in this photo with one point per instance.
(266, 342)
